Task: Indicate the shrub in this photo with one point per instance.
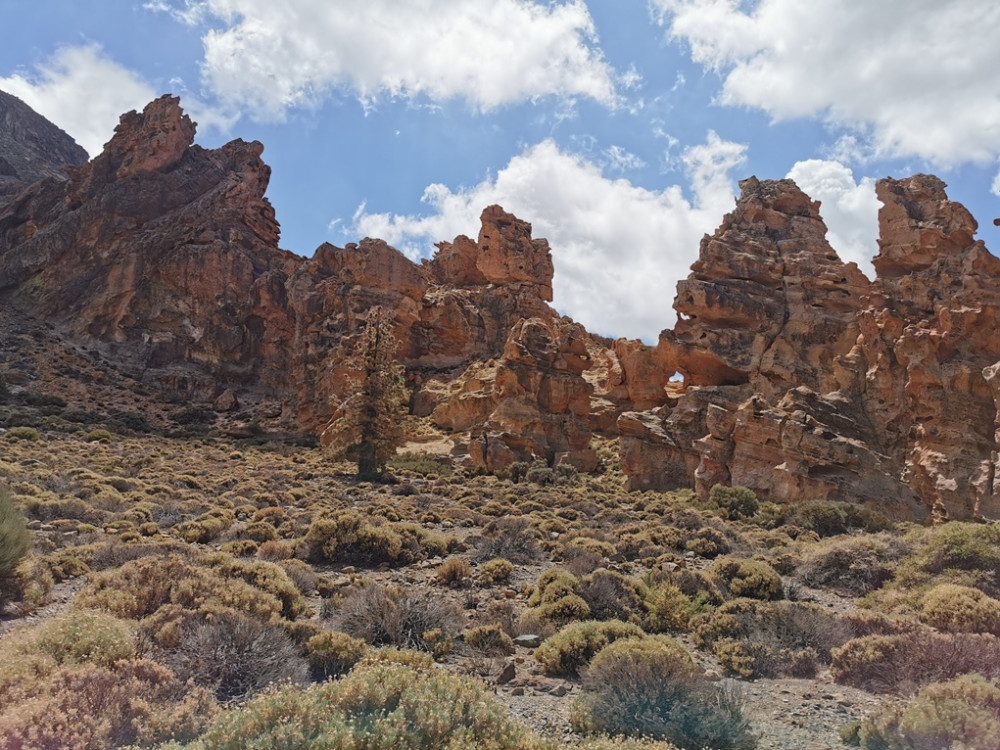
(610, 595)
(22, 433)
(514, 539)
(963, 553)
(489, 639)
(707, 542)
(98, 436)
(766, 639)
(667, 608)
(332, 654)
(960, 609)
(735, 502)
(747, 578)
(425, 464)
(15, 541)
(566, 652)
(347, 537)
(900, 663)
(853, 565)
(651, 687)
(132, 702)
(394, 617)
(378, 706)
(82, 636)
(496, 570)
(454, 570)
(963, 713)
(265, 576)
(235, 656)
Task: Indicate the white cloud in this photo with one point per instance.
(918, 75)
(82, 91)
(269, 56)
(618, 159)
(849, 208)
(618, 249)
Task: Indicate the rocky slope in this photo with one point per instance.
(802, 379)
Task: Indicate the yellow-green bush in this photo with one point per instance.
(852, 565)
(569, 650)
(454, 570)
(751, 579)
(651, 687)
(962, 713)
(496, 570)
(489, 639)
(960, 609)
(15, 541)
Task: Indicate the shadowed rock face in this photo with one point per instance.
(807, 381)
(802, 379)
(31, 147)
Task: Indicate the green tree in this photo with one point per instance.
(15, 540)
(368, 424)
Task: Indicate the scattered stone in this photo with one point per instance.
(528, 641)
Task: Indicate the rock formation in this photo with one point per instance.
(31, 147)
(788, 371)
(806, 381)
(165, 256)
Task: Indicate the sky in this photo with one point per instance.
(619, 128)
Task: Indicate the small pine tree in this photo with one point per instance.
(15, 541)
(370, 425)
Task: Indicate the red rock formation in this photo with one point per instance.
(165, 255)
(805, 381)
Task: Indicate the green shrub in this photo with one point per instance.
(489, 639)
(651, 687)
(752, 579)
(347, 537)
(496, 570)
(22, 433)
(425, 464)
(963, 713)
(377, 706)
(707, 542)
(15, 541)
(83, 636)
(735, 502)
(962, 553)
(960, 609)
(332, 654)
(98, 436)
(667, 608)
(569, 650)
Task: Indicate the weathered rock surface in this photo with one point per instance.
(31, 147)
(165, 256)
(807, 381)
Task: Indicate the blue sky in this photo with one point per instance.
(619, 128)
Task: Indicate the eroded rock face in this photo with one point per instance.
(806, 381)
(165, 255)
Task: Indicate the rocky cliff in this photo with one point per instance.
(164, 256)
(803, 380)
(788, 370)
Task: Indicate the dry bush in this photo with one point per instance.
(349, 538)
(496, 570)
(610, 595)
(235, 656)
(901, 663)
(650, 687)
(513, 539)
(852, 565)
(453, 571)
(395, 617)
(766, 639)
(332, 654)
(132, 702)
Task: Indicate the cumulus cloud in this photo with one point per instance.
(269, 56)
(82, 91)
(917, 77)
(618, 248)
(849, 208)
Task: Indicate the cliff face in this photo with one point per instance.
(801, 378)
(31, 147)
(165, 256)
(807, 381)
